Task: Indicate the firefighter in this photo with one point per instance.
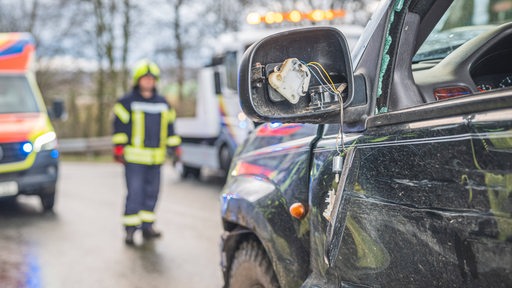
(143, 130)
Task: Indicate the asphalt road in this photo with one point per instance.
(81, 243)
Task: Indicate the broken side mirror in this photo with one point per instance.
(297, 76)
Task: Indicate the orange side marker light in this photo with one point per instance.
(297, 210)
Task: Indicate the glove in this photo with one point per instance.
(118, 152)
(174, 153)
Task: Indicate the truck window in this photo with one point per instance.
(231, 70)
(16, 95)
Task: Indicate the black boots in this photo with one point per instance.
(149, 233)
(130, 231)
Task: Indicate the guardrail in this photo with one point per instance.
(86, 145)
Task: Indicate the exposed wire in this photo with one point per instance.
(313, 63)
(340, 142)
(327, 86)
(340, 132)
(323, 82)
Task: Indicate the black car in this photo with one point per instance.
(409, 185)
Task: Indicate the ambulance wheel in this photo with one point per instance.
(47, 200)
(251, 267)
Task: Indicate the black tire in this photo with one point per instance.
(188, 171)
(251, 268)
(48, 199)
(225, 158)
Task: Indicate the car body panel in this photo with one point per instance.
(262, 186)
(441, 206)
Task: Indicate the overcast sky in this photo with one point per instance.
(152, 31)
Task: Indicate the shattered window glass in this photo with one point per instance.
(464, 20)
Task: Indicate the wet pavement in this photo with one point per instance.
(81, 243)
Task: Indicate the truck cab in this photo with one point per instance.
(29, 159)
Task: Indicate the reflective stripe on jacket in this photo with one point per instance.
(145, 127)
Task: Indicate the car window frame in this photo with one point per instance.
(398, 26)
(429, 110)
(461, 107)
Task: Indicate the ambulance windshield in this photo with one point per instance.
(16, 95)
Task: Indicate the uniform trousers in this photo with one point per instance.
(143, 183)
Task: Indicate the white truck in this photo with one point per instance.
(210, 138)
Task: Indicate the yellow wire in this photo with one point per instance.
(325, 72)
(323, 78)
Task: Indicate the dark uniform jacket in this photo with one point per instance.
(144, 127)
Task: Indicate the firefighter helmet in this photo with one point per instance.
(145, 67)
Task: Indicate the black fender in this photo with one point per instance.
(254, 205)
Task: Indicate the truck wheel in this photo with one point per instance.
(225, 159)
(48, 199)
(190, 171)
(251, 268)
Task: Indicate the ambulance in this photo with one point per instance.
(29, 159)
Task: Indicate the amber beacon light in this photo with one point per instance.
(294, 16)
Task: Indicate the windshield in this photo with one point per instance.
(464, 20)
(16, 95)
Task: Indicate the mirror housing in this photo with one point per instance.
(312, 98)
(58, 110)
(217, 81)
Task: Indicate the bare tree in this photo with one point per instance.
(104, 14)
(110, 55)
(179, 46)
(127, 8)
(187, 36)
(230, 14)
(33, 15)
(112, 21)
(10, 15)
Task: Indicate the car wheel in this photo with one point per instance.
(251, 268)
(47, 200)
